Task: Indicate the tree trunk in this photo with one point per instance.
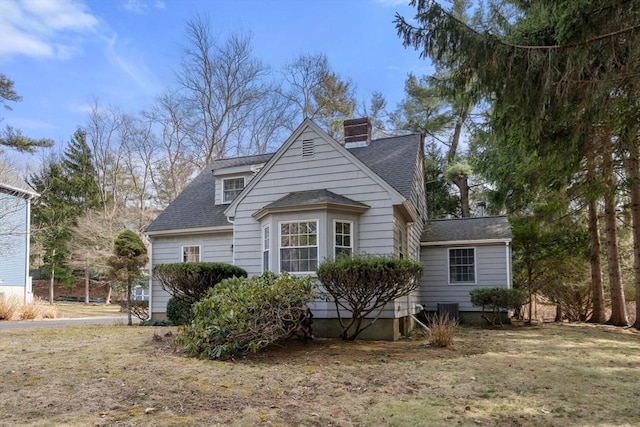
(129, 321)
(618, 306)
(86, 285)
(108, 301)
(633, 175)
(52, 281)
(597, 289)
(462, 182)
(559, 314)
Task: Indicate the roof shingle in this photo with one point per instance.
(467, 229)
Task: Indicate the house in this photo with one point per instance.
(15, 223)
(288, 211)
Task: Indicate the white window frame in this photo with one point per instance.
(224, 190)
(475, 266)
(280, 247)
(266, 246)
(335, 235)
(183, 254)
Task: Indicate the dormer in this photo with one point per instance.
(233, 175)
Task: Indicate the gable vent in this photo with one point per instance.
(307, 148)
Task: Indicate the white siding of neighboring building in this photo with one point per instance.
(214, 247)
(14, 246)
(492, 269)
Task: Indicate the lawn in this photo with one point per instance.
(114, 375)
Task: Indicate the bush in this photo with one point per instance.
(244, 315)
(8, 307)
(442, 329)
(364, 284)
(190, 281)
(178, 311)
(497, 298)
(139, 308)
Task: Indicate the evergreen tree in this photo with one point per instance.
(127, 263)
(80, 174)
(569, 65)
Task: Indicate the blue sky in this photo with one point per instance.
(61, 54)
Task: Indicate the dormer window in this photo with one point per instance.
(231, 187)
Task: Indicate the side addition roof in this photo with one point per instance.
(450, 231)
(195, 207)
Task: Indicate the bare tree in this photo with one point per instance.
(172, 164)
(221, 83)
(319, 93)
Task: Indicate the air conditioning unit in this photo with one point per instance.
(450, 308)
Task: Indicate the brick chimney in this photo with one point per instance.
(357, 132)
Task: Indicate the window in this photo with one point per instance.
(299, 246)
(401, 243)
(343, 238)
(265, 248)
(462, 265)
(231, 187)
(191, 254)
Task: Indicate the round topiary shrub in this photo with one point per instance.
(241, 315)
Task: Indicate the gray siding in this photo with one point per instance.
(326, 169)
(491, 270)
(214, 247)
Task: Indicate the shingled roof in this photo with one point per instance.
(467, 229)
(195, 206)
(312, 197)
(393, 159)
(10, 181)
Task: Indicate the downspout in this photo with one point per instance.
(508, 250)
(231, 220)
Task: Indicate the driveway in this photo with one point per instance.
(16, 324)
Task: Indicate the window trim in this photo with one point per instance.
(182, 252)
(317, 245)
(224, 180)
(475, 266)
(266, 247)
(351, 235)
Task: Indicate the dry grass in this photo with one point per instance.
(442, 330)
(9, 306)
(569, 375)
(71, 310)
(37, 310)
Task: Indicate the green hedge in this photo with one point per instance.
(190, 281)
(497, 298)
(241, 315)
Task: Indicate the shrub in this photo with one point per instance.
(190, 281)
(30, 311)
(8, 307)
(364, 284)
(139, 308)
(442, 329)
(243, 315)
(497, 298)
(178, 311)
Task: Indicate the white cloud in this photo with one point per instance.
(135, 6)
(132, 64)
(160, 5)
(43, 29)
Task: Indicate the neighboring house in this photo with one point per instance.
(15, 223)
(288, 211)
(462, 254)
